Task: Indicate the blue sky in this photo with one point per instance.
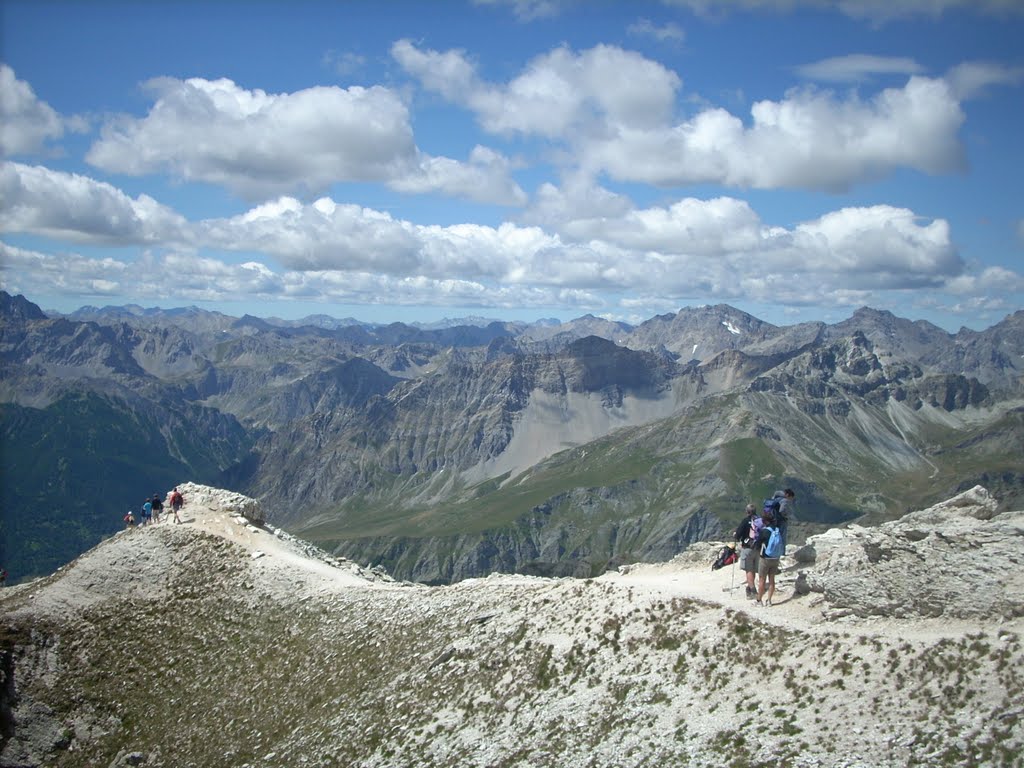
(516, 159)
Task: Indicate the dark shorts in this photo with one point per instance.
(748, 559)
(768, 566)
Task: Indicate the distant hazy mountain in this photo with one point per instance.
(454, 451)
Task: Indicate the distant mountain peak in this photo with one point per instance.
(19, 308)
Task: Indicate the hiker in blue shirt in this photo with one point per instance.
(147, 512)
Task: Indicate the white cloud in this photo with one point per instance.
(692, 249)
(26, 123)
(664, 33)
(858, 67)
(880, 247)
(615, 110)
(261, 145)
(808, 140)
(33, 273)
(972, 78)
(486, 178)
(257, 143)
(991, 280)
(324, 235)
(37, 200)
(557, 93)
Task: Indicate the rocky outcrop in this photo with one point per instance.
(958, 559)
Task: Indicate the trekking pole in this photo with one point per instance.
(732, 579)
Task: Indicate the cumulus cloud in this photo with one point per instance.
(704, 249)
(324, 235)
(261, 145)
(858, 67)
(991, 280)
(34, 273)
(486, 178)
(26, 123)
(692, 248)
(557, 93)
(37, 200)
(811, 139)
(615, 109)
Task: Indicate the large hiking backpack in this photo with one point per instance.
(726, 557)
(773, 547)
(773, 507)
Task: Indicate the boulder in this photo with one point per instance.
(956, 559)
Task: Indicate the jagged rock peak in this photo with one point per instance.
(18, 308)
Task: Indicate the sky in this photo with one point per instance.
(515, 159)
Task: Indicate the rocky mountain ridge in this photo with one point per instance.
(224, 641)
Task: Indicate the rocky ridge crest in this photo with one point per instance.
(224, 642)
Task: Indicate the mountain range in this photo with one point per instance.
(450, 452)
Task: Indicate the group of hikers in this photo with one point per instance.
(153, 508)
(762, 539)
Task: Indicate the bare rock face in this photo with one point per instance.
(229, 501)
(949, 560)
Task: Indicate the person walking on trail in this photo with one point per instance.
(787, 508)
(176, 500)
(147, 512)
(129, 520)
(746, 535)
(158, 507)
(769, 542)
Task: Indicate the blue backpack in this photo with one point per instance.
(773, 548)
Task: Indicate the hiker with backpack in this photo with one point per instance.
(157, 506)
(785, 510)
(176, 500)
(746, 535)
(769, 541)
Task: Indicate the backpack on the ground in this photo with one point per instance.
(726, 557)
(773, 547)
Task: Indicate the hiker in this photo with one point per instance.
(129, 520)
(147, 512)
(769, 542)
(3, 577)
(176, 501)
(787, 508)
(158, 507)
(746, 535)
